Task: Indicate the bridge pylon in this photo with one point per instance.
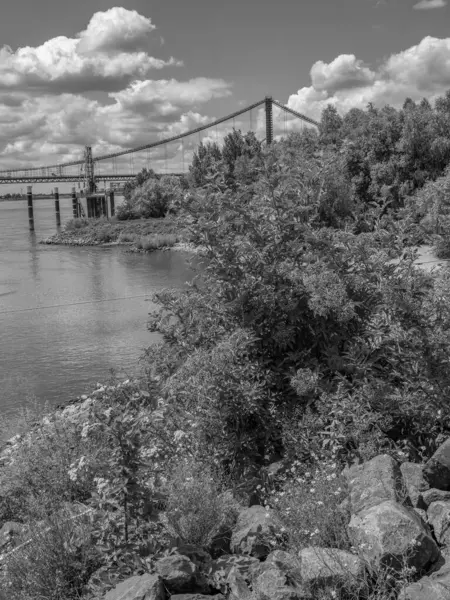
(89, 175)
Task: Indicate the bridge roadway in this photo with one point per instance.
(73, 178)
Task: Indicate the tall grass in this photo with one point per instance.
(158, 240)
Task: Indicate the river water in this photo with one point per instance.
(55, 353)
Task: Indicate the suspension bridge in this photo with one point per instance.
(171, 155)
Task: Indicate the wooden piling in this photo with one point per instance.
(30, 207)
(57, 213)
(111, 200)
(74, 203)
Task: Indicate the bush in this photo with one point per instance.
(55, 565)
(74, 224)
(196, 508)
(309, 506)
(156, 241)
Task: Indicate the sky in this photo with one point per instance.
(93, 72)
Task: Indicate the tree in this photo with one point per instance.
(331, 126)
(205, 161)
(140, 178)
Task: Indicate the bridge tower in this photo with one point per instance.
(269, 120)
(89, 176)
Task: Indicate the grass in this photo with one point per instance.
(157, 240)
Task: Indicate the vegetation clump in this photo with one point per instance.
(302, 342)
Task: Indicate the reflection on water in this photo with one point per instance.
(57, 352)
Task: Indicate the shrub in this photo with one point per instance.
(55, 565)
(196, 508)
(309, 506)
(157, 240)
(74, 224)
(154, 198)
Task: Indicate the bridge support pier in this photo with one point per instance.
(74, 203)
(57, 213)
(30, 207)
(112, 207)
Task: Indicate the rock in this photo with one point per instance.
(439, 518)
(328, 566)
(139, 587)
(434, 495)
(374, 482)
(9, 534)
(220, 543)
(220, 569)
(198, 556)
(284, 561)
(196, 597)
(177, 572)
(414, 482)
(422, 514)
(256, 527)
(389, 533)
(273, 584)
(437, 470)
(239, 589)
(425, 589)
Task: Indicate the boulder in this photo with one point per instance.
(374, 482)
(284, 561)
(177, 572)
(425, 589)
(237, 585)
(438, 515)
(9, 533)
(434, 495)
(139, 587)
(219, 570)
(274, 584)
(390, 533)
(437, 470)
(414, 482)
(254, 531)
(196, 597)
(328, 566)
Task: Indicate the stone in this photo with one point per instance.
(328, 566)
(177, 572)
(139, 587)
(196, 597)
(9, 533)
(273, 584)
(256, 527)
(415, 483)
(238, 587)
(425, 589)
(437, 470)
(438, 515)
(390, 533)
(374, 482)
(434, 495)
(422, 514)
(284, 561)
(220, 569)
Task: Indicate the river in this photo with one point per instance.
(63, 320)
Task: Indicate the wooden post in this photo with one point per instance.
(30, 207)
(58, 216)
(111, 200)
(74, 203)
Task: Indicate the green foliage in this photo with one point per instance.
(138, 181)
(197, 509)
(153, 199)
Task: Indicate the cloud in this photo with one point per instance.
(106, 56)
(116, 30)
(167, 96)
(429, 4)
(344, 72)
(420, 71)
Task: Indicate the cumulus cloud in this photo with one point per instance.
(106, 56)
(344, 72)
(429, 4)
(167, 96)
(420, 71)
(116, 30)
